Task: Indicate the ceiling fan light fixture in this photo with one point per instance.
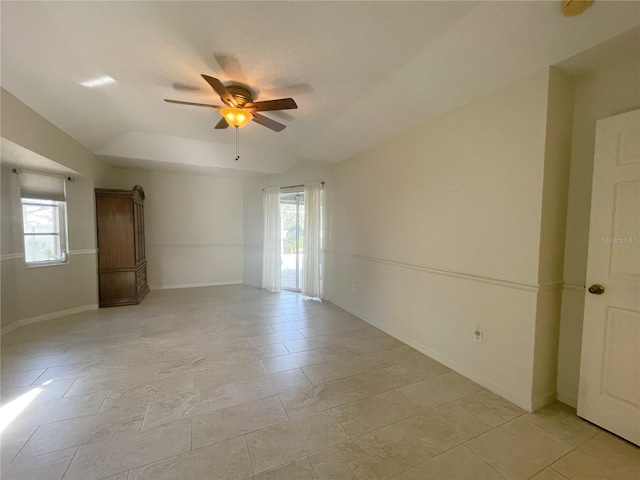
(236, 117)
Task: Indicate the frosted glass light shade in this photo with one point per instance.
(236, 117)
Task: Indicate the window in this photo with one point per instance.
(292, 250)
(44, 218)
(45, 230)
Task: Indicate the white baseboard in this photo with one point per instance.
(195, 285)
(48, 316)
(10, 328)
(570, 400)
(540, 401)
(521, 402)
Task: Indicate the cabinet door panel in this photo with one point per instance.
(115, 232)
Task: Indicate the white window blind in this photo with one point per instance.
(42, 186)
(44, 218)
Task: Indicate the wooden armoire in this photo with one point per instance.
(122, 266)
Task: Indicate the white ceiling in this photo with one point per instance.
(360, 72)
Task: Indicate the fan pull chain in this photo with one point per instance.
(237, 144)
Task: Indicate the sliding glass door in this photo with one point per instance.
(292, 253)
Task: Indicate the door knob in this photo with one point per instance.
(596, 289)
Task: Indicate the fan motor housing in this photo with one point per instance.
(241, 94)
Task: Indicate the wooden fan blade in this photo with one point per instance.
(279, 104)
(267, 122)
(221, 90)
(222, 124)
(191, 103)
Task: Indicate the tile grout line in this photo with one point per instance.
(246, 443)
(69, 466)
(407, 441)
(308, 379)
(237, 404)
(476, 416)
(64, 395)
(374, 368)
(312, 453)
(506, 423)
(406, 470)
(24, 445)
(144, 419)
(460, 444)
(524, 417)
(554, 461)
(527, 415)
(104, 400)
(56, 450)
(131, 469)
(364, 397)
(310, 385)
(283, 408)
(478, 456)
(551, 467)
(315, 474)
(341, 426)
(85, 443)
(464, 443)
(33, 383)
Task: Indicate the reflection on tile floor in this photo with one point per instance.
(237, 383)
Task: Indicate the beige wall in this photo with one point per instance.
(442, 228)
(439, 231)
(552, 233)
(43, 290)
(8, 304)
(39, 291)
(193, 225)
(598, 94)
(54, 288)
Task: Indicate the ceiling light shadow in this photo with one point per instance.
(231, 67)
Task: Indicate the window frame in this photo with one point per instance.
(62, 233)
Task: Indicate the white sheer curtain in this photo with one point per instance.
(312, 278)
(271, 239)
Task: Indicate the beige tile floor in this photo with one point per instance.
(236, 383)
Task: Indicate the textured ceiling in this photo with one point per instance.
(351, 66)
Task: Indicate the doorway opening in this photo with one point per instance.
(292, 249)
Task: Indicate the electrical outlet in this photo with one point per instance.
(352, 287)
(478, 334)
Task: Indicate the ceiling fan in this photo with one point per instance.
(240, 107)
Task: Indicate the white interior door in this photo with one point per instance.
(610, 367)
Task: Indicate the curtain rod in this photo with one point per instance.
(294, 186)
(18, 171)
